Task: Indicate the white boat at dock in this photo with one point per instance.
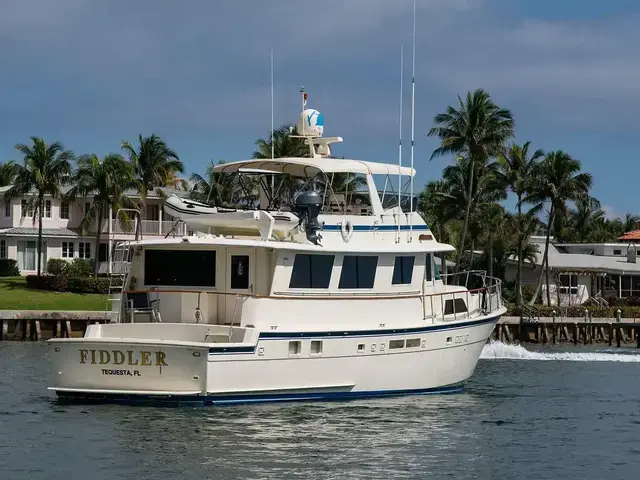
(334, 297)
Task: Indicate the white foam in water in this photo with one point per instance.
(495, 349)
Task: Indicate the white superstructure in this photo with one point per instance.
(335, 296)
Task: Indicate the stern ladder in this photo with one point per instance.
(119, 270)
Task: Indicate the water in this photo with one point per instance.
(553, 413)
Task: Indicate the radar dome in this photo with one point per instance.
(310, 123)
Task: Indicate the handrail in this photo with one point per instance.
(488, 298)
(495, 284)
(313, 297)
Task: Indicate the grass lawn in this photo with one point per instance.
(15, 295)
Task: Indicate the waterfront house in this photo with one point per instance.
(61, 233)
(580, 272)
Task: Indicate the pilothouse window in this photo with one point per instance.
(311, 271)
(196, 268)
(358, 271)
(403, 270)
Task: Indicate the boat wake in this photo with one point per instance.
(499, 350)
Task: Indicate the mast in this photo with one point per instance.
(272, 128)
(413, 103)
(400, 142)
(273, 140)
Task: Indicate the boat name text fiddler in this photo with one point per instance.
(118, 357)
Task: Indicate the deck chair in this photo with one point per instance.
(141, 303)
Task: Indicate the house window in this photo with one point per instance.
(27, 208)
(153, 212)
(358, 271)
(311, 271)
(47, 208)
(84, 250)
(64, 211)
(196, 268)
(3, 249)
(7, 209)
(28, 255)
(403, 270)
(568, 284)
(67, 249)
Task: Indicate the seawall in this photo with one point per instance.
(575, 330)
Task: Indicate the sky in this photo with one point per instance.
(92, 73)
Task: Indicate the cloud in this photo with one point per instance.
(204, 65)
(581, 74)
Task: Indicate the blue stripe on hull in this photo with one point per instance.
(199, 401)
(379, 332)
(352, 334)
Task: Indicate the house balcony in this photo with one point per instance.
(147, 227)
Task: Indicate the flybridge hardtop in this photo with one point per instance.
(318, 202)
(309, 167)
(322, 293)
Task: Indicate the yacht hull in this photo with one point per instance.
(440, 359)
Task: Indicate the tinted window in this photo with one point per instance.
(240, 272)
(358, 272)
(403, 270)
(311, 271)
(196, 268)
(427, 266)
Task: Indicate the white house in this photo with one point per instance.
(579, 271)
(61, 234)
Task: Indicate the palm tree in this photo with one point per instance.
(494, 225)
(558, 180)
(285, 144)
(476, 131)
(107, 180)
(631, 222)
(45, 168)
(7, 173)
(586, 221)
(154, 164)
(223, 189)
(437, 208)
(517, 167)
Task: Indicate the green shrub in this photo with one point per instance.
(59, 283)
(579, 311)
(527, 292)
(9, 268)
(57, 266)
(80, 267)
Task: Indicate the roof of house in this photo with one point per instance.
(632, 235)
(309, 167)
(46, 232)
(132, 193)
(573, 262)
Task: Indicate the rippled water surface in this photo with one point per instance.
(553, 413)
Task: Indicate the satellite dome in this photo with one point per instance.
(310, 123)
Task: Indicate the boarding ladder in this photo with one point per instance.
(119, 269)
